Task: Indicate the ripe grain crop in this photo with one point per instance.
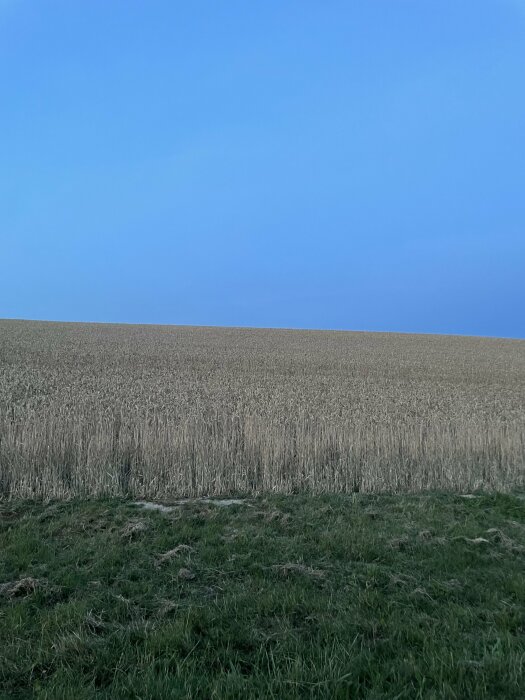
(158, 411)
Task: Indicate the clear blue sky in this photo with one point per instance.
(322, 164)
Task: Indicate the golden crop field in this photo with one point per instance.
(158, 411)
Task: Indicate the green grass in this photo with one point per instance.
(287, 597)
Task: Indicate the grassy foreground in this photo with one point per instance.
(278, 597)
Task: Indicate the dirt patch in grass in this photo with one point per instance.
(291, 568)
(134, 529)
(162, 508)
(22, 587)
(179, 550)
(186, 574)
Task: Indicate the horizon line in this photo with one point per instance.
(268, 328)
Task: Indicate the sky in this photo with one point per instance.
(303, 164)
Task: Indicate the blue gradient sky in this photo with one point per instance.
(356, 165)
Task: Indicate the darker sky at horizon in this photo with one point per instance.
(346, 165)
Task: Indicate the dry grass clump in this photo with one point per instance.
(156, 411)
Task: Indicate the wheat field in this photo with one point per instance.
(159, 411)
